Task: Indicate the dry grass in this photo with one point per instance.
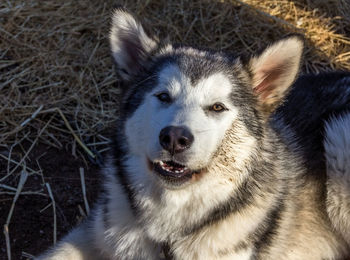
(57, 82)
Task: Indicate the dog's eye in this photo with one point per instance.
(218, 107)
(163, 97)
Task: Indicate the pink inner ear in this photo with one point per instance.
(267, 81)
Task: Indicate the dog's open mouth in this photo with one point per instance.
(172, 171)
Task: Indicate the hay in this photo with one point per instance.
(57, 80)
(55, 55)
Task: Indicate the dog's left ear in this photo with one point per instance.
(130, 45)
(274, 70)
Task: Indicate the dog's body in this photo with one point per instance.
(200, 166)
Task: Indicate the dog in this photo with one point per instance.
(220, 157)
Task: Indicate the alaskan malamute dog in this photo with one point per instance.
(204, 165)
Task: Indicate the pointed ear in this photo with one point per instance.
(274, 70)
(129, 43)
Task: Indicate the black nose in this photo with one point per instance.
(175, 139)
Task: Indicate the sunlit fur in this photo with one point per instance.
(254, 196)
(337, 145)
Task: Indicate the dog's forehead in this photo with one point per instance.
(216, 85)
(194, 75)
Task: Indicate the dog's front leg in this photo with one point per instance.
(90, 241)
(77, 245)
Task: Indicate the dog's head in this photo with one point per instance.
(180, 103)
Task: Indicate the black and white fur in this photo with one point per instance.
(200, 166)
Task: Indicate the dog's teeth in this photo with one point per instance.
(172, 168)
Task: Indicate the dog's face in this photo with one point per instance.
(181, 121)
(179, 102)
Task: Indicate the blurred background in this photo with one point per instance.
(59, 92)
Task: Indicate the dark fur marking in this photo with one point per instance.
(166, 249)
(240, 199)
(195, 67)
(136, 91)
(242, 245)
(121, 174)
(243, 99)
(262, 238)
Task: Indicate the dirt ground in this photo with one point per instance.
(31, 227)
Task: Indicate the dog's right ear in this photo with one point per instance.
(129, 43)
